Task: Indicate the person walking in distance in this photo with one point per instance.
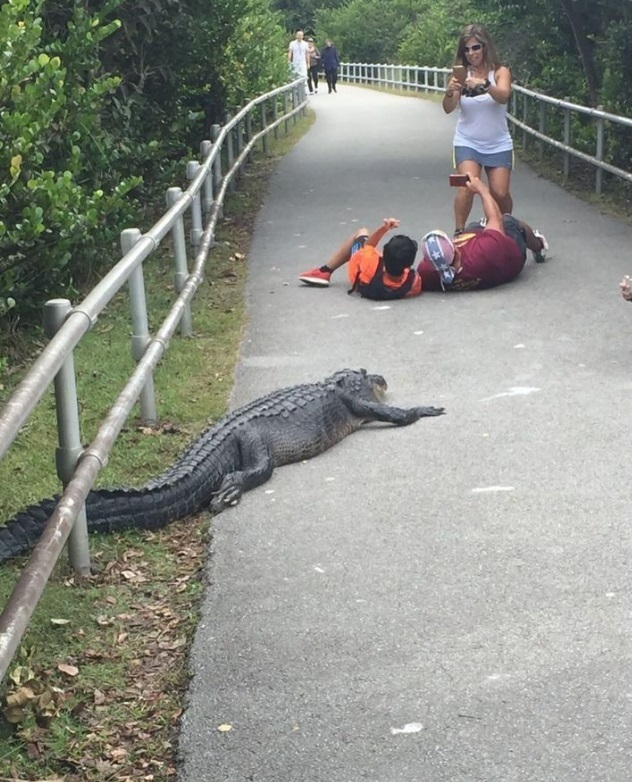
(481, 139)
(331, 62)
(297, 55)
(313, 64)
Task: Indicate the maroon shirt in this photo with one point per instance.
(488, 258)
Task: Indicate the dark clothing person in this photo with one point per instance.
(313, 65)
(331, 63)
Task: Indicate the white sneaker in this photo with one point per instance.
(539, 256)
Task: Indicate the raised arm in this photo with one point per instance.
(377, 235)
(451, 96)
(493, 215)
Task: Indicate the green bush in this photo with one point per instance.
(100, 101)
(61, 200)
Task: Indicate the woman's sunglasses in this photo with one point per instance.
(475, 47)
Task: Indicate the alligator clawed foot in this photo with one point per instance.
(430, 411)
(225, 498)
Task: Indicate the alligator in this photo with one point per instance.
(231, 456)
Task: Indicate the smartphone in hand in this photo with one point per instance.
(459, 72)
(459, 180)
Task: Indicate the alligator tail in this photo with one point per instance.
(21, 533)
(108, 510)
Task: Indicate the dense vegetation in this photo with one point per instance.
(100, 98)
(579, 48)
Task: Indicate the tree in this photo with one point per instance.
(301, 14)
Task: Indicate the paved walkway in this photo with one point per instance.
(449, 601)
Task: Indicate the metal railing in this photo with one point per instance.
(573, 129)
(202, 202)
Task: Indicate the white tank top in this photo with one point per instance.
(482, 124)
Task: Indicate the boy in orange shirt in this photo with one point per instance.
(375, 275)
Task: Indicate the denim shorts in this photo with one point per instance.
(513, 229)
(494, 160)
(358, 244)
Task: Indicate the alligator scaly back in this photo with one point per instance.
(230, 457)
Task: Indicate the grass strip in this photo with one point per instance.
(97, 688)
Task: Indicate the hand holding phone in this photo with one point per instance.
(459, 180)
(459, 73)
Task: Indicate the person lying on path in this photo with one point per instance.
(375, 275)
(483, 256)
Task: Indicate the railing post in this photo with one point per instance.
(217, 163)
(208, 195)
(239, 143)
(249, 132)
(230, 153)
(275, 116)
(68, 433)
(541, 128)
(525, 117)
(599, 151)
(302, 94)
(567, 140)
(140, 326)
(196, 206)
(264, 125)
(180, 260)
(286, 123)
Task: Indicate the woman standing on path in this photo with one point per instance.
(314, 63)
(481, 138)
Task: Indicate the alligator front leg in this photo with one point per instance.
(376, 411)
(256, 468)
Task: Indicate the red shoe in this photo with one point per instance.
(316, 277)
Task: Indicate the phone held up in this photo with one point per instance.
(459, 72)
(459, 180)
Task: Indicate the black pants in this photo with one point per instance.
(312, 78)
(332, 78)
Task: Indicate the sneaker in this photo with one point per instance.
(316, 277)
(482, 222)
(539, 256)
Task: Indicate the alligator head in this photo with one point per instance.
(360, 383)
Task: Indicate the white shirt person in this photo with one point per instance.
(298, 54)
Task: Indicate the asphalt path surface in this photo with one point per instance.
(450, 600)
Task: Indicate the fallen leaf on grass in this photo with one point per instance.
(224, 728)
(168, 427)
(70, 670)
(99, 698)
(21, 674)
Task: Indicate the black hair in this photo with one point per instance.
(399, 254)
